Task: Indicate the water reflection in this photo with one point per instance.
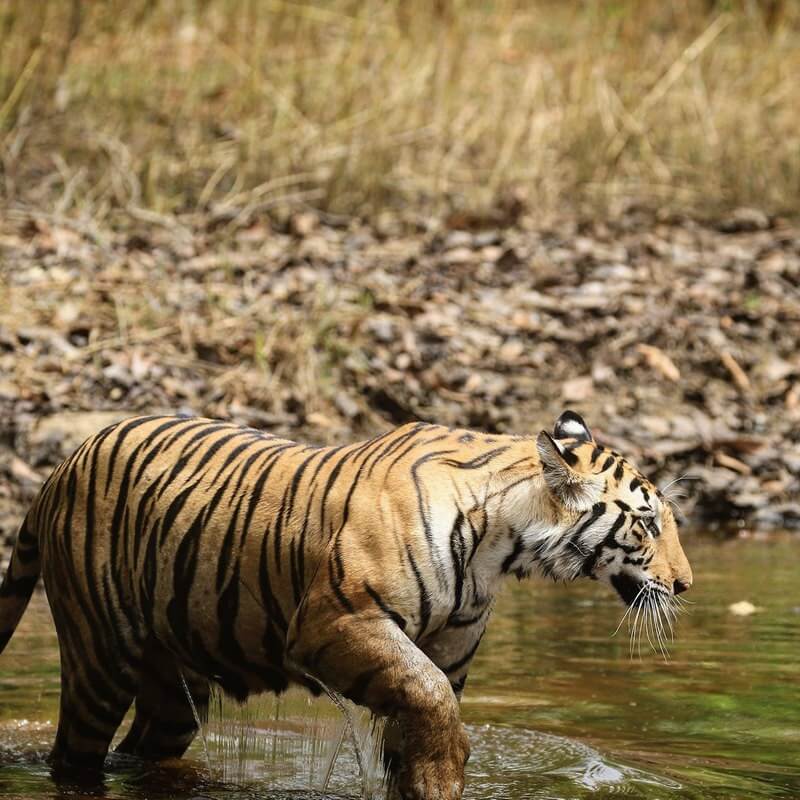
(556, 708)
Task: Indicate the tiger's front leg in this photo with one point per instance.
(367, 658)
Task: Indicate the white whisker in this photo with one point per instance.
(637, 629)
(662, 634)
(648, 619)
(670, 614)
(685, 477)
(654, 621)
(628, 611)
(671, 501)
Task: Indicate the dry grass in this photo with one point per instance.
(355, 107)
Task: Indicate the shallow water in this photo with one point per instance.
(556, 707)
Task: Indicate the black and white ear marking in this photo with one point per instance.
(571, 426)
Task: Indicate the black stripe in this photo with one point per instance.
(122, 429)
(336, 573)
(466, 622)
(569, 457)
(287, 507)
(183, 573)
(598, 509)
(458, 551)
(395, 444)
(477, 462)
(301, 544)
(157, 446)
(512, 556)
(212, 450)
(175, 507)
(227, 546)
(332, 478)
(398, 619)
(418, 486)
(187, 452)
(424, 596)
(375, 451)
(415, 444)
(463, 661)
(269, 600)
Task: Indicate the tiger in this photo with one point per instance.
(179, 552)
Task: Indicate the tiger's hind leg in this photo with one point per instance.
(165, 723)
(93, 704)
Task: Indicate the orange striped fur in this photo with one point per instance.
(182, 548)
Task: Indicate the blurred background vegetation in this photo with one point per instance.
(322, 218)
(357, 106)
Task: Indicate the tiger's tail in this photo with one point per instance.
(19, 582)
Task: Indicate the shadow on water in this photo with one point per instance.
(556, 708)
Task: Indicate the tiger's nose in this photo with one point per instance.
(679, 586)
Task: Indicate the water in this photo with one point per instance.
(556, 708)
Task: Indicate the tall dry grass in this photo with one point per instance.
(354, 107)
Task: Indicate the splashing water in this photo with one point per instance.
(296, 743)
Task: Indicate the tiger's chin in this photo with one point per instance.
(626, 586)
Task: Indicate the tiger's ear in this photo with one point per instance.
(571, 426)
(576, 490)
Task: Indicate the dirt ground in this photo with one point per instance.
(678, 341)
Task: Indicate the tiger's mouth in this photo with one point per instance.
(627, 588)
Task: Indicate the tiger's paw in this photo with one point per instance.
(436, 773)
(431, 782)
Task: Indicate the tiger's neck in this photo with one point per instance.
(523, 531)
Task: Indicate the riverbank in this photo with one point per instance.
(676, 340)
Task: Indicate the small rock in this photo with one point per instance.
(459, 255)
(576, 390)
(658, 427)
(304, 223)
(745, 220)
(724, 460)
(660, 362)
(58, 435)
(346, 405)
(511, 351)
(23, 473)
(602, 374)
(459, 240)
(742, 609)
(382, 329)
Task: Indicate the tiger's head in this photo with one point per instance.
(617, 525)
